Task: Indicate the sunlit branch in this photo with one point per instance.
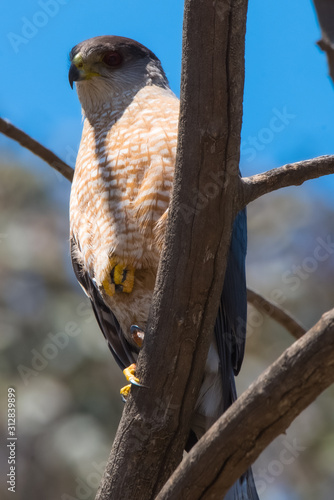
(260, 414)
(292, 174)
(36, 148)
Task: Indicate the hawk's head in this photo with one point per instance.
(106, 66)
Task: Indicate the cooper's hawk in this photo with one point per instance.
(118, 211)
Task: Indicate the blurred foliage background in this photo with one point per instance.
(51, 350)
(66, 382)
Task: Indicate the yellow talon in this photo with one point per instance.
(125, 391)
(120, 278)
(129, 373)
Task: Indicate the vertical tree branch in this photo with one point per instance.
(156, 419)
(325, 12)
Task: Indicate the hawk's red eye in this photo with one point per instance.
(112, 58)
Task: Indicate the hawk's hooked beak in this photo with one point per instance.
(73, 75)
(79, 71)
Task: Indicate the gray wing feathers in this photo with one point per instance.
(230, 336)
(230, 327)
(123, 352)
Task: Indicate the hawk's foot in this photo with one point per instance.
(125, 391)
(120, 278)
(129, 373)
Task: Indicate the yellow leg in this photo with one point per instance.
(119, 277)
(129, 373)
(125, 391)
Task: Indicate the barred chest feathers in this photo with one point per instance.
(123, 180)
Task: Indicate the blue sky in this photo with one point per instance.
(289, 99)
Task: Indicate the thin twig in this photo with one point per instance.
(253, 187)
(277, 313)
(257, 181)
(272, 310)
(36, 148)
(292, 174)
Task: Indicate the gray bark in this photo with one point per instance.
(325, 12)
(261, 413)
(156, 419)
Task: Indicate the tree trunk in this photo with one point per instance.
(156, 419)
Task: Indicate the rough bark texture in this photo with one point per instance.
(36, 148)
(207, 195)
(325, 12)
(262, 304)
(263, 412)
(155, 422)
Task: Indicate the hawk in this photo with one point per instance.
(118, 213)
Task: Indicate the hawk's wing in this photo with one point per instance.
(230, 327)
(123, 352)
(230, 333)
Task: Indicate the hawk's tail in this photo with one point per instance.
(226, 353)
(230, 337)
(243, 489)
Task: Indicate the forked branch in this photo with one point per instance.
(292, 174)
(253, 187)
(260, 414)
